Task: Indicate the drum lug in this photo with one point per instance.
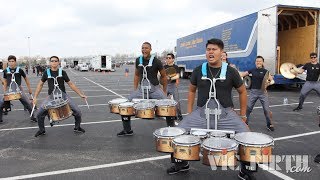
(189, 151)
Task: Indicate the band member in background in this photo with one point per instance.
(17, 72)
(312, 80)
(1, 99)
(61, 78)
(256, 93)
(172, 81)
(155, 92)
(229, 120)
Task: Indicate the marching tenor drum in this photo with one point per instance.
(200, 134)
(219, 152)
(254, 147)
(218, 134)
(126, 109)
(12, 96)
(166, 107)
(186, 147)
(145, 109)
(114, 104)
(58, 110)
(164, 137)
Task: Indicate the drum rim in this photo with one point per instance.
(58, 105)
(123, 106)
(146, 108)
(162, 136)
(224, 134)
(186, 144)
(205, 135)
(220, 149)
(12, 93)
(166, 105)
(255, 145)
(117, 103)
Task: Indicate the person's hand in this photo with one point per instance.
(34, 101)
(83, 96)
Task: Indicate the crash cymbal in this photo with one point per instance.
(287, 70)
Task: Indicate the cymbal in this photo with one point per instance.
(287, 70)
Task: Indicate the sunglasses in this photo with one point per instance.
(168, 58)
(54, 61)
(313, 57)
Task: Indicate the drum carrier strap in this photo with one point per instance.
(58, 95)
(13, 78)
(146, 88)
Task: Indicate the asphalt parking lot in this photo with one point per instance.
(100, 154)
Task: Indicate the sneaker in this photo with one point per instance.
(40, 133)
(270, 127)
(245, 176)
(125, 133)
(180, 117)
(79, 130)
(297, 108)
(5, 112)
(33, 119)
(176, 169)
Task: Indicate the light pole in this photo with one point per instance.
(29, 52)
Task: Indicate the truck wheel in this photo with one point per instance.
(182, 73)
(247, 82)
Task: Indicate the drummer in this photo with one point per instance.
(61, 78)
(17, 73)
(312, 80)
(256, 93)
(155, 92)
(229, 120)
(173, 81)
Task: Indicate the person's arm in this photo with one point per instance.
(191, 97)
(38, 90)
(175, 77)
(28, 84)
(243, 74)
(243, 102)
(136, 79)
(76, 89)
(4, 83)
(164, 80)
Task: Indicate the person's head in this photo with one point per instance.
(259, 62)
(224, 57)
(12, 61)
(146, 49)
(54, 61)
(214, 49)
(170, 59)
(313, 57)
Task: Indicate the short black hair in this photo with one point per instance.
(260, 57)
(170, 54)
(313, 54)
(217, 42)
(147, 43)
(54, 57)
(12, 57)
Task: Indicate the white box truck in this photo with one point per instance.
(102, 63)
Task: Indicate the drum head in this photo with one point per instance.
(126, 104)
(199, 133)
(186, 140)
(216, 143)
(137, 100)
(169, 132)
(56, 103)
(166, 102)
(118, 101)
(144, 105)
(218, 134)
(253, 138)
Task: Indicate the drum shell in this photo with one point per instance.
(166, 111)
(145, 113)
(164, 144)
(60, 113)
(114, 108)
(224, 160)
(11, 97)
(186, 152)
(126, 111)
(245, 152)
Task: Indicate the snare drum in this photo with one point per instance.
(145, 109)
(58, 110)
(222, 150)
(12, 96)
(114, 104)
(164, 137)
(254, 147)
(126, 109)
(200, 134)
(166, 107)
(186, 147)
(218, 134)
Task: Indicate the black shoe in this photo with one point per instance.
(180, 117)
(297, 108)
(245, 176)
(33, 119)
(5, 113)
(176, 169)
(40, 133)
(317, 159)
(270, 127)
(79, 130)
(125, 133)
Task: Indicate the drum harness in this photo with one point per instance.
(13, 79)
(147, 87)
(213, 95)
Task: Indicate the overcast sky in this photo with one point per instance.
(88, 27)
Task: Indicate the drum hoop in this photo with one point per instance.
(109, 102)
(127, 106)
(256, 145)
(58, 105)
(168, 136)
(186, 144)
(13, 93)
(218, 149)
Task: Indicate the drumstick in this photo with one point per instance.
(87, 103)
(32, 110)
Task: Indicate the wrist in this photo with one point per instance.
(243, 116)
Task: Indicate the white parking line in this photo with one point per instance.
(104, 87)
(274, 172)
